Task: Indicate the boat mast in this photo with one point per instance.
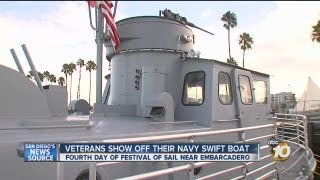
(99, 40)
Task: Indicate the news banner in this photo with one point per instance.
(115, 152)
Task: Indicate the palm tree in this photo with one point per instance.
(232, 61)
(41, 76)
(230, 20)
(71, 69)
(64, 69)
(46, 75)
(30, 75)
(90, 66)
(61, 81)
(316, 32)
(52, 78)
(80, 63)
(245, 42)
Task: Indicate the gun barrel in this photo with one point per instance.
(192, 25)
(168, 14)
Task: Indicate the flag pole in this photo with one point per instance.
(115, 9)
(99, 40)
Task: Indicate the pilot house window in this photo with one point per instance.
(225, 92)
(193, 88)
(245, 89)
(260, 92)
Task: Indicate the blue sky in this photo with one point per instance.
(59, 32)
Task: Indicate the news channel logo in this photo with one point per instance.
(280, 150)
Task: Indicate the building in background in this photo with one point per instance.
(282, 102)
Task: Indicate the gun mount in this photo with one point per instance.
(168, 14)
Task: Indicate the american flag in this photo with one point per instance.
(112, 28)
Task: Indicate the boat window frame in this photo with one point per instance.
(203, 88)
(231, 91)
(266, 91)
(241, 96)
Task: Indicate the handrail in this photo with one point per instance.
(188, 167)
(178, 122)
(267, 174)
(187, 135)
(47, 127)
(262, 167)
(158, 173)
(280, 125)
(221, 172)
(260, 137)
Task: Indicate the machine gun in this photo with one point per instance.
(168, 14)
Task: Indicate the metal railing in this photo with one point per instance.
(292, 128)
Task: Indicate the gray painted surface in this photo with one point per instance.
(192, 113)
(106, 92)
(19, 96)
(57, 99)
(123, 72)
(80, 106)
(156, 32)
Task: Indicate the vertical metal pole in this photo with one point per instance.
(245, 168)
(14, 55)
(282, 130)
(305, 124)
(92, 171)
(191, 171)
(304, 102)
(275, 131)
(60, 171)
(115, 9)
(297, 129)
(306, 142)
(170, 165)
(34, 71)
(99, 40)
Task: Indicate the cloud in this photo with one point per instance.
(282, 45)
(207, 13)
